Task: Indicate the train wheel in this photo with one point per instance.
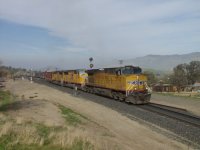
(115, 96)
(121, 97)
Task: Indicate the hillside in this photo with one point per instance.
(163, 62)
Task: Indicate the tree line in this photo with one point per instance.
(186, 74)
(182, 75)
(8, 71)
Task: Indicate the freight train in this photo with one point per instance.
(125, 83)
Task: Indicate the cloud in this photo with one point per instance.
(112, 28)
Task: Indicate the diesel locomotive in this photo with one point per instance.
(125, 83)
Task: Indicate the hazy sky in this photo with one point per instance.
(65, 33)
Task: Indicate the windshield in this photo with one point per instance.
(131, 70)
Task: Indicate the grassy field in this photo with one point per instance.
(5, 99)
(193, 95)
(70, 116)
(30, 135)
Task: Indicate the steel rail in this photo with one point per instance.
(173, 112)
(173, 108)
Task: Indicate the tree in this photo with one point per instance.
(186, 74)
(151, 77)
(193, 72)
(166, 78)
(3, 73)
(180, 76)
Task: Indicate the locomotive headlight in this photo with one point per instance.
(135, 88)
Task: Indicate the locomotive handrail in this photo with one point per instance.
(148, 88)
(129, 87)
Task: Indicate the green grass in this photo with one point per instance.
(5, 99)
(8, 141)
(5, 145)
(79, 144)
(70, 116)
(43, 130)
(195, 97)
(164, 94)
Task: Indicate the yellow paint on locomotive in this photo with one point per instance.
(136, 82)
(54, 76)
(64, 76)
(57, 76)
(131, 82)
(75, 77)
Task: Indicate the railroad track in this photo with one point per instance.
(173, 112)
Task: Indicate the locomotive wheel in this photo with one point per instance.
(121, 97)
(114, 95)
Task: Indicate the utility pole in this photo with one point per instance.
(121, 62)
(31, 78)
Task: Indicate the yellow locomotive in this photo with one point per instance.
(77, 77)
(57, 76)
(123, 83)
(69, 77)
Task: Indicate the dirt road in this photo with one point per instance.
(108, 128)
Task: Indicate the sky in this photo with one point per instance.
(65, 33)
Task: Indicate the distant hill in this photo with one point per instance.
(163, 62)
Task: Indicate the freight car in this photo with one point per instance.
(121, 83)
(47, 76)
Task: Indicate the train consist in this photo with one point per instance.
(121, 83)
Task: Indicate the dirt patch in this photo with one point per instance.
(189, 103)
(38, 110)
(105, 127)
